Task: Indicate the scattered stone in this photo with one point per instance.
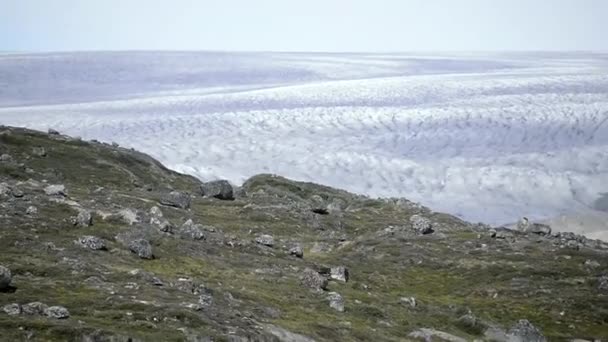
(592, 264)
(34, 308)
(53, 132)
(191, 231)
(421, 225)
(297, 251)
(12, 309)
(83, 219)
(5, 158)
(524, 331)
(312, 279)
(56, 190)
(339, 273)
(336, 301)
(435, 335)
(39, 151)
(92, 242)
(176, 199)
(265, 239)
(31, 210)
(411, 301)
(57, 312)
(220, 189)
(142, 248)
(5, 278)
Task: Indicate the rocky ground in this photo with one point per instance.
(102, 243)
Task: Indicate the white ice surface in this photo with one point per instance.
(488, 137)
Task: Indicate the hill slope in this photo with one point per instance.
(102, 234)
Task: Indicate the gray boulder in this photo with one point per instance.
(524, 225)
(297, 251)
(55, 190)
(435, 335)
(83, 219)
(31, 210)
(157, 219)
(219, 189)
(5, 278)
(34, 308)
(265, 239)
(39, 151)
(176, 199)
(524, 331)
(336, 301)
(191, 231)
(142, 248)
(421, 225)
(12, 309)
(92, 242)
(57, 312)
(339, 273)
(313, 280)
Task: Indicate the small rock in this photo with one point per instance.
(265, 239)
(220, 189)
(55, 190)
(421, 225)
(5, 158)
(12, 309)
(339, 273)
(603, 283)
(471, 324)
(176, 199)
(39, 151)
(205, 300)
(83, 219)
(524, 331)
(435, 335)
(57, 312)
(297, 251)
(191, 231)
(142, 248)
(411, 301)
(592, 264)
(5, 278)
(31, 210)
(336, 301)
(312, 279)
(17, 193)
(128, 216)
(34, 308)
(92, 242)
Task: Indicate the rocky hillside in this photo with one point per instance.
(102, 243)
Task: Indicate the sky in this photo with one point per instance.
(304, 25)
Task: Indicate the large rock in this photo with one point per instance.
(83, 219)
(12, 309)
(157, 219)
(57, 312)
(265, 239)
(421, 225)
(219, 189)
(524, 225)
(5, 278)
(176, 199)
(55, 190)
(142, 248)
(191, 231)
(336, 301)
(34, 308)
(39, 151)
(312, 279)
(339, 273)
(92, 242)
(297, 251)
(524, 331)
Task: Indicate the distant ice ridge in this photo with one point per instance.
(487, 137)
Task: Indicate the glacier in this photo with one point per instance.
(488, 137)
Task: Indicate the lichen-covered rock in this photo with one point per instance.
(142, 248)
(176, 199)
(5, 277)
(220, 189)
(56, 190)
(421, 225)
(313, 280)
(336, 301)
(524, 331)
(265, 239)
(57, 312)
(92, 242)
(339, 273)
(12, 309)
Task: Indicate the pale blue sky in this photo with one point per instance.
(304, 25)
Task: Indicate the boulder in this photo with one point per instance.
(57, 312)
(265, 239)
(17, 193)
(39, 151)
(524, 225)
(31, 210)
(83, 219)
(142, 248)
(92, 242)
(5, 278)
(12, 309)
(191, 231)
(297, 251)
(157, 219)
(421, 225)
(410, 301)
(339, 273)
(220, 189)
(56, 190)
(34, 308)
(435, 335)
(524, 331)
(176, 199)
(336, 301)
(312, 279)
